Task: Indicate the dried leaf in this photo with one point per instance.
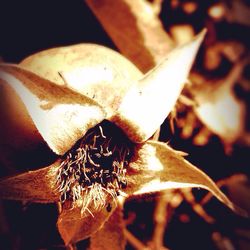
(61, 115)
(35, 186)
(89, 69)
(111, 235)
(214, 102)
(73, 225)
(157, 167)
(135, 29)
(146, 105)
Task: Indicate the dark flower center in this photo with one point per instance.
(98, 160)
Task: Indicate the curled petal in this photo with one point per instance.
(93, 70)
(147, 104)
(35, 186)
(77, 223)
(157, 167)
(61, 115)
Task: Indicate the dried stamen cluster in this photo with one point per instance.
(95, 165)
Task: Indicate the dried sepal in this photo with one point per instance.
(19, 136)
(89, 69)
(141, 38)
(61, 115)
(35, 186)
(111, 235)
(78, 221)
(157, 167)
(147, 103)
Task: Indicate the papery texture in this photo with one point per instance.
(157, 167)
(35, 186)
(111, 235)
(61, 115)
(147, 104)
(77, 223)
(93, 70)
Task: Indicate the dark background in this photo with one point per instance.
(30, 26)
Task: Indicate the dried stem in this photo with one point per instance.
(197, 207)
(162, 215)
(136, 243)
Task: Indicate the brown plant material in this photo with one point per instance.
(237, 187)
(238, 12)
(63, 113)
(73, 227)
(135, 29)
(197, 207)
(111, 234)
(138, 96)
(136, 243)
(22, 188)
(162, 215)
(222, 243)
(74, 68)
(213, 99)
(48, 103)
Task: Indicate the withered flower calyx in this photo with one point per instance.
(96, 165)
(97, 111)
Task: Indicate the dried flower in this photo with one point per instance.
(97, 111)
